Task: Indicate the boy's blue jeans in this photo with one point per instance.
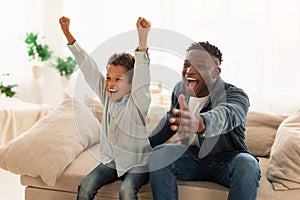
(104, 174)
(240, 172)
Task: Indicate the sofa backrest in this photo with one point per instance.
(261, 129)
(260, 133)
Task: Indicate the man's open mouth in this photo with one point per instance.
(191, 82)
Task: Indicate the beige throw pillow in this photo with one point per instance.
(260, 133)
(154, 115)
(95, 106)
(284, 166)
(48, 147)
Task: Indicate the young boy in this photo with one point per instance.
(125, 96)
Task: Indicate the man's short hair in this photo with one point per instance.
(211, 49)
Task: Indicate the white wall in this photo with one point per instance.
(260, 39)
(18, 17)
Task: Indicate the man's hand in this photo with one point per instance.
(65, 24)
(143, 27)
(185, 121)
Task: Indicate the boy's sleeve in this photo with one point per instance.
(141, 82)
(89, 68)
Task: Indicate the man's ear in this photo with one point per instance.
(216, 72)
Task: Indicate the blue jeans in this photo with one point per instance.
(104, 174)
(239, 172)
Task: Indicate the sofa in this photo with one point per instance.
(52, 158)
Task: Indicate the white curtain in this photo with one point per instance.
(259, 39)
(18, 17)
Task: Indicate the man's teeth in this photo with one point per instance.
(191, 79)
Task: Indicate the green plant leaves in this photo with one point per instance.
(66, 66)
(37, 50)
(7, 90)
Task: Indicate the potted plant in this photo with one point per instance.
(66, 67)
(7, 89)
(37, 51)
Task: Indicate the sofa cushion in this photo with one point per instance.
(86, 162)
(95, 105)
(66, 186)
(260, 133)
(48, 147)
(284, 166)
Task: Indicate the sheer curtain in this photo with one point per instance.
(18, 17)
(259, 39)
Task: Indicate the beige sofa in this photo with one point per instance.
(262, 128)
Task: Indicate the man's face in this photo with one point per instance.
(116, 82)
(200, 72)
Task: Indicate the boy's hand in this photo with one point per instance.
(143, 27)
(64, 24)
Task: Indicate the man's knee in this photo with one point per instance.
(247, 167)
(164, 155)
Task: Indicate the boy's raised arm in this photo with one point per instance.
(87, 65)
(143, 27)
(65, 27)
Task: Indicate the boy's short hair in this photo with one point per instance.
(124, 59)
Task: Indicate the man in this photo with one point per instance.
(209, 116)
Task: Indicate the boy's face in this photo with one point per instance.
(116, 83)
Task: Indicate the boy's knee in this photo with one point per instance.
(83, 190)
(86, 188)
(126, 191)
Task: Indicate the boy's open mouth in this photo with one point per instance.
(112, 91)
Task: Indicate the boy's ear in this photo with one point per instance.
(130, 85)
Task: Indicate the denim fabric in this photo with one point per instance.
(104, 174)
(131, 184)
(239, 172)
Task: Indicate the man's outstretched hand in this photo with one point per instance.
(185, 122)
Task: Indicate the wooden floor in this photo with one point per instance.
(10, 187)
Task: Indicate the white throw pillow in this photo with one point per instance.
(284, 166)
(48, 147)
